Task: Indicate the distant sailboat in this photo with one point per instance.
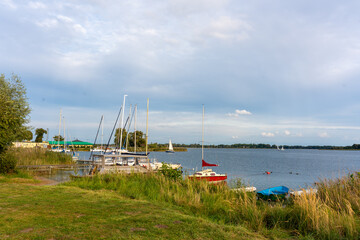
(171, 149)
(280, 149)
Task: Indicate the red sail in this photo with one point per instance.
(205, 164)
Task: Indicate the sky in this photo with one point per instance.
(278, 72)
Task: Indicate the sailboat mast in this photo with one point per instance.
(102, 132)
(127, 134)
(135, 129)
(202, 145)
(147, 131)
(59, 131)
(122, 120)
(64, 136)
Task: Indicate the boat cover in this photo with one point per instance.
(275, 190)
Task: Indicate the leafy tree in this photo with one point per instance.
(117, 136)
(14, 114)
(39, 132)
(58, 138)
(27, 135)
(14, 110)
(140, 139)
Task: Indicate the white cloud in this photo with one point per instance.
(36, 5)
(228, 28)
(9, 4)
(65, 19)
(47, 23)
(267, 134)
(239, 112)
(324, 135)
(287, 132)
(235, 137)
(80, 28)
(242, 112)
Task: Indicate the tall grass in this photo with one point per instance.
(317, 215)
(37, 156)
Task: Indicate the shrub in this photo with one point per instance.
(168, 172)
(7, 162)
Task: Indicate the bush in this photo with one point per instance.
(168, 172)
(7, 162)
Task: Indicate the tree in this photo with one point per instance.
(14, 110)
(27, 135)
(58, 138)
(140, 139)
(39, 132)
(117, 136)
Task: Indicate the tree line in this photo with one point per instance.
(269, 146)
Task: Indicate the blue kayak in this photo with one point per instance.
(273, 193)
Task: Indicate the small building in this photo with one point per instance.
(29, 144)
(76, 144)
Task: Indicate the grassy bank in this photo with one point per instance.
(37, 156)
(140, 206)
(331, 214)
(63, 212)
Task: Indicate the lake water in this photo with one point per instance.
(292, 168)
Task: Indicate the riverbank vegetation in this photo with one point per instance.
(38, 156)
(153, 206)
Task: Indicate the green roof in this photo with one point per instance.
(69, 143)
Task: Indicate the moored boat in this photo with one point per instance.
(273, 193)
(171, 149)
(207, 174)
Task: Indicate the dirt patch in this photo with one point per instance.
(26, 230)
(178, 222)
(161, 226)
(41, 181)
(138, 229)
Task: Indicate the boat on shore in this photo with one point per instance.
(274, 193)
(244, 189)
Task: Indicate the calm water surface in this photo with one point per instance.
(292, 168)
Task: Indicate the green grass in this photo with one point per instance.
(149, 206)
(309, 215)
(62, 212)
(17, 177)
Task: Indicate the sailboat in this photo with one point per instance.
(171, 149)
(207, 174)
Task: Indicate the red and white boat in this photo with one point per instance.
(207, 174)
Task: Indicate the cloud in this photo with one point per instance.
(235, 137)
(47, 23)
(239, 112)
(324, 135)
(9, 4)
(287, 133)
(37, 5)
(267, 134)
